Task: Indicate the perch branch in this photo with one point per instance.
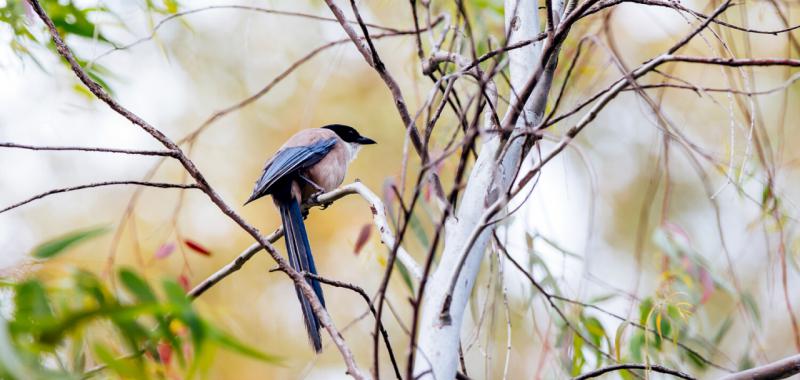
(202, 183)
(379, 218)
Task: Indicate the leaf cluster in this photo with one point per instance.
(81, 325)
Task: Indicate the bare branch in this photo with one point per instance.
(100, 184)
(230, 7)
(202, 183)
(365, 297)
(233, 266)
(780, 369)
(388, 79)
(280, 77)
(166, 153)
(378, 216)
(682, 8)
(737, 62)
(646, 367)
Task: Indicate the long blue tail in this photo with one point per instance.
(300, 259)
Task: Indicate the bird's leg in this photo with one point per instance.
(314, 198)
(313, 184)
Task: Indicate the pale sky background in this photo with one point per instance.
(186, 74)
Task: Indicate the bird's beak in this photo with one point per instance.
(365, 140)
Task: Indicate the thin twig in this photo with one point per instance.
(202, 183)
(223, 7)
(166, 153)
(646, 367)
(391, 84)
(365, 296)
(100, 184)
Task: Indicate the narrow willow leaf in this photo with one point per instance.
(137, 286)
(164, 251)
(618, 339)
(231, 343)
(363, 237)
(658, 325)
(405, 275)
(32, 303)
(197, 247)
(58, 245)
(751, 306)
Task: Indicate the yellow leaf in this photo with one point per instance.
(658, 325)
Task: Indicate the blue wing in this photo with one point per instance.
(288, 161)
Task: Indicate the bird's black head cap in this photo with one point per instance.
(349, 134)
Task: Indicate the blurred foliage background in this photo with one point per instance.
(89, 275)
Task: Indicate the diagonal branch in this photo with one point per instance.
(367, 50)
(202, 183)
(780, 369)
(379, 219)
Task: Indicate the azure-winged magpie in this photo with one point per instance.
(311, 161)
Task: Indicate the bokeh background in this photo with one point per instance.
(588, 201)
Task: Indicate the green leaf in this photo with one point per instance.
(176, 294)
(12, 364)
(32, 303)
(186, 313)
(123, 367)
(56, 246)
(644, 310)
(171, 5)
(137, 286)
(90, 285)
(746, 362)
(723, 329)
(752, 306)
(635, 346)
(405, 275)
(231, 343)
(54, 332)
(419, 231)
(696, 360)
(618, 339)
(577, 354)
(595, 329)
(144, 293)
(601, 298)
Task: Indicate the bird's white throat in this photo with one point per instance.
(353, 148)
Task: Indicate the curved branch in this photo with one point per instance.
(620, 367)
(780, 369)
(378, 216)
(100, 184)
(365, 297)
(299, 280)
